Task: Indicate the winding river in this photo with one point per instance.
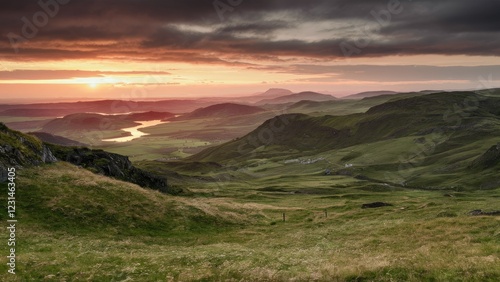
(135, 131)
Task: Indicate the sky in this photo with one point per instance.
(136, 50)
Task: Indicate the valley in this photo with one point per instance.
(270, 191)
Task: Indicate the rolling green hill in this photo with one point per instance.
(346, 106)
(415, 116)
(448, 131)
(60, 197)
(222, 111)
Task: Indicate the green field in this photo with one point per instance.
(77, 226)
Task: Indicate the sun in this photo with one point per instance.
(94, 82)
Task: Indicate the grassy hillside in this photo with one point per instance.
(414, 116)
(433, 139)
(345, 106)
(18, 148)
(61, 197)
(74, 225)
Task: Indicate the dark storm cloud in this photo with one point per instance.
(191, 30)
(255, 27)
(452, 17)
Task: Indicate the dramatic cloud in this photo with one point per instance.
(104, 48)
(168, 30)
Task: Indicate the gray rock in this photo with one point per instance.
(480, 212)
(113, 165)
(17, 150)
(47, 156)
(375, 205)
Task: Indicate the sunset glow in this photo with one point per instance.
(189, 49)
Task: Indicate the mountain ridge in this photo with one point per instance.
(297, 97)
(368, 94)
(222, 110)
(439, 124)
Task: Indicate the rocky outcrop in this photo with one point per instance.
(47, 156)
(19, 150)
(481, 212)
(113, 165)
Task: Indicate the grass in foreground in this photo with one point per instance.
(77, 226)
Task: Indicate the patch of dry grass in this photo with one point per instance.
(238, 239)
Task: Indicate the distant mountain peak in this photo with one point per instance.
(276, 92)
